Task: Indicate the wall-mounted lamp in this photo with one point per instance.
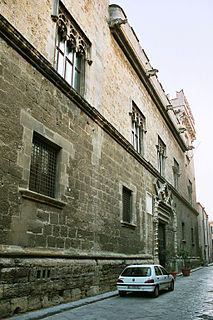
(152, 72)
(169, 107)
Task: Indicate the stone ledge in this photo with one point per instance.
(31, 195)
(20, 252)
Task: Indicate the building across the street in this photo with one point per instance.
(96, 162)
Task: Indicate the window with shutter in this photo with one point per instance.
(127, 205)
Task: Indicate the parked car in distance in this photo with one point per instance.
(144, 278)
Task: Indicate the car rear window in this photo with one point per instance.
(137, 272)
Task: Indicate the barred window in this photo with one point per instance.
(43, 166)
(127, 205)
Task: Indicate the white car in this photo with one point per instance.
(144, 278)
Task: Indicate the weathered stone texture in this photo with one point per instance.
(74, 246)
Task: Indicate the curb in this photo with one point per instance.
(40, 314)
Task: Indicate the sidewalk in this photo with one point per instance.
(40, 314)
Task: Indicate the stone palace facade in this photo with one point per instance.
(96, 162)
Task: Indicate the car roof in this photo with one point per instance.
(143, 265)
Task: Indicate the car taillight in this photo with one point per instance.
(149, 281)
(120, 281)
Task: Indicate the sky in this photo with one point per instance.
(177, 36)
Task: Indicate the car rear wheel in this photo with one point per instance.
(156, 292)
(122, 293)
(171, 287)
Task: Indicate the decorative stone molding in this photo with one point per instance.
(71, 34)
(163, 199)
(163, 192)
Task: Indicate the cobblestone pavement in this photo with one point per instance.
(192, 299)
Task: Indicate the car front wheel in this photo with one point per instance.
(171, 287)
(156, 292)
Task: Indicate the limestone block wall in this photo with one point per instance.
(85, 218)
(75, 245)
(111, 84)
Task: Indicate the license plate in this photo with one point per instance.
(134, 287)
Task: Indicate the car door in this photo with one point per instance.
(159, 277)
(165, 278)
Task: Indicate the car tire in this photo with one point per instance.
(122, 293)
(155, 293)
(171, 287)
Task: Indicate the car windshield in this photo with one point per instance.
(137, 272)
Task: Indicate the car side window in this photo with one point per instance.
(157, 271)
(163, 271)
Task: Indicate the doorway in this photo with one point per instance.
(161, 243)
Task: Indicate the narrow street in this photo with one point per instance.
(192, 299)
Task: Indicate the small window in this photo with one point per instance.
(157, 271)
(43, 166)
(176, 173)
(127, 205)
(190, 191)
(161, 156)
(148, 203)
(164, 272)
(183, 231)
(138, 129)
(192, 235)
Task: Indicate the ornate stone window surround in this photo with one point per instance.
(138, 129)
(72, 50)
(31, 125)
(133, 190)
(161, 156)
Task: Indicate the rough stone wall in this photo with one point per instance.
(30, 284)
(109, 94)
(85, 220)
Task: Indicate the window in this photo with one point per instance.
(161, 156)
(43, 166)
(148, 203)
(138, 129)
(176, 173)
(183, 231)
(137, 272)
(190, 191)
(192, 236)
(70, 51)
(127, 205)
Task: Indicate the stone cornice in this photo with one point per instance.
(20, 252)
(28, 52)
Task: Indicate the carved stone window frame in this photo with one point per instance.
(161, 156)
(138, 129)
(78, 41)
